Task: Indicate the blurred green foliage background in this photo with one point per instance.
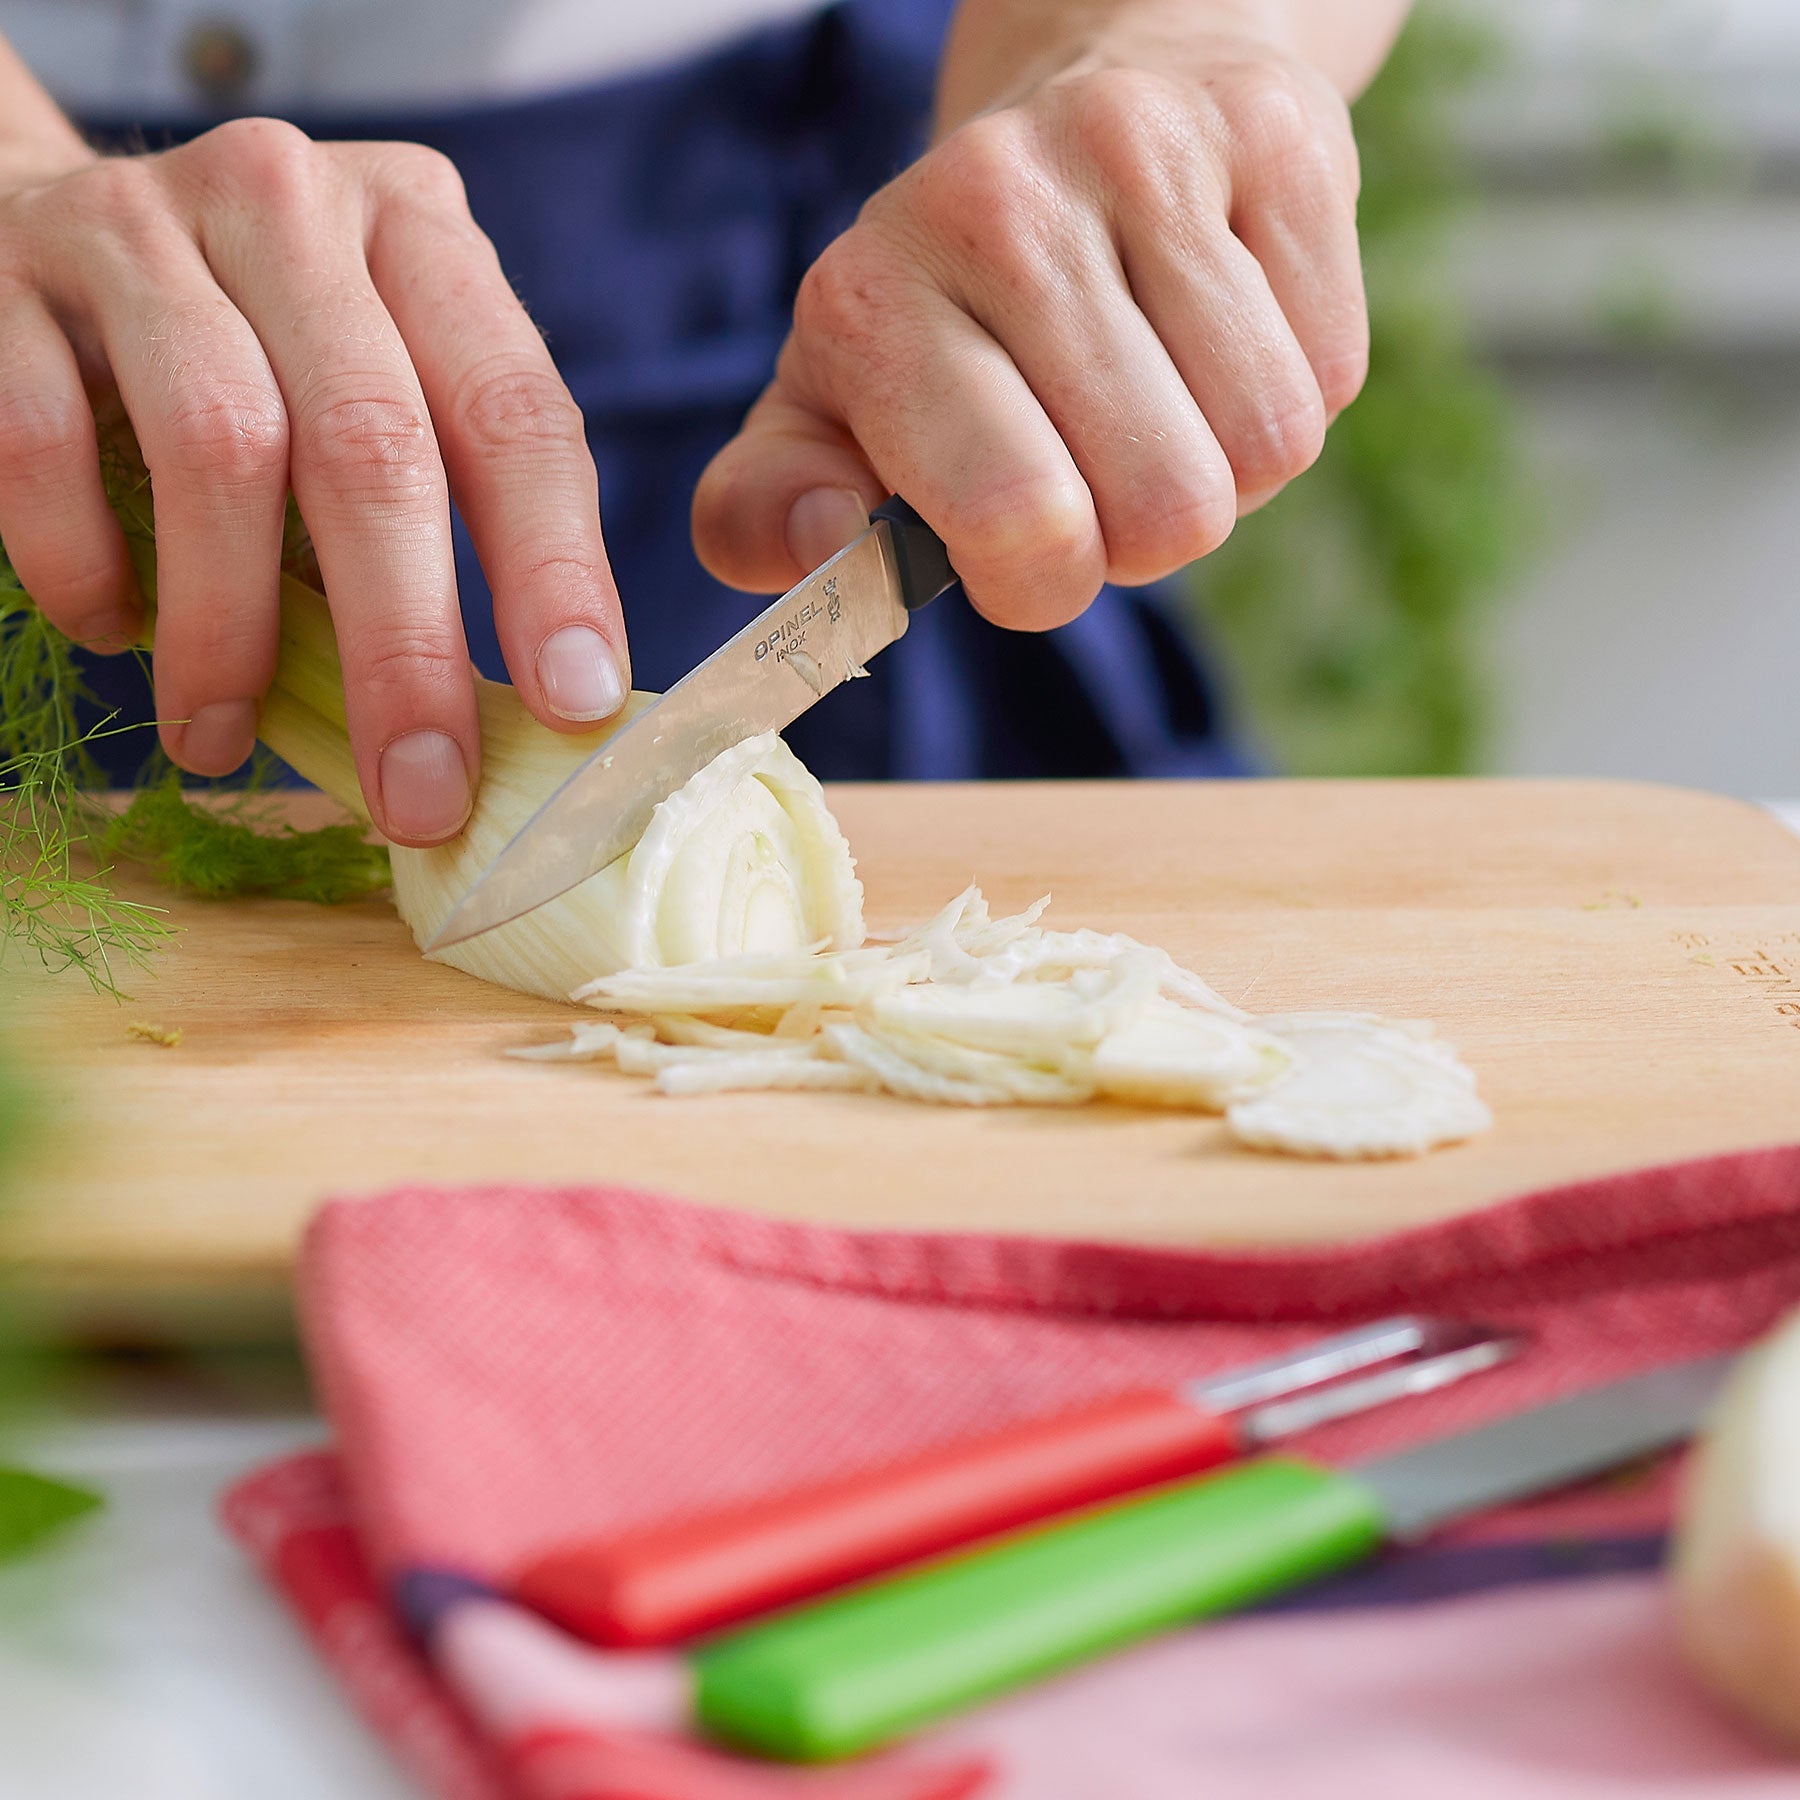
(1348, 611)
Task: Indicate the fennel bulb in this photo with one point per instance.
(746, 857)
(1735, 1572)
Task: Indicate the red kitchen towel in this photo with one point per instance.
(1546, 1691)
(493, 1704)
(511, 1370)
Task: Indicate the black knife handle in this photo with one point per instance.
(919, 552)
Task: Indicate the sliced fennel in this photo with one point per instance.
(970, 1010)
(728, 945)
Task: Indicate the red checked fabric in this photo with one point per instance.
(509, 1369)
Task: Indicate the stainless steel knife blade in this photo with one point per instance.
(1425, 1374)
(1536, 1452)
(815, 637)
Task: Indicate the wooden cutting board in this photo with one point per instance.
(1620, 964)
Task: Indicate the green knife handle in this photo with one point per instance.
(919, 554)
(846, 1674)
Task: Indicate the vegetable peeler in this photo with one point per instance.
(672, 1581)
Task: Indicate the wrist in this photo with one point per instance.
(1000, 50)
(37, 142)
(30, 162)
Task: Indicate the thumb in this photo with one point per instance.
(790, 490)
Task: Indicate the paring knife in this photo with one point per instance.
(854, 1671)
(674, 1580)
(814, 638)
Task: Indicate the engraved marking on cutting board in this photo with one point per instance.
(1768, 965)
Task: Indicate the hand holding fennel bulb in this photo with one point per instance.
(745, 857)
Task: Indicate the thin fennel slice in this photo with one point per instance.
(1171, 1055)
(1031, 1020)
(900, 1074)
(1360, 1088)
(775, 979)
(750, 1073)
(1020, 1080)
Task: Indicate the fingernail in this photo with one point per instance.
(218, 737)
(424, 787)
(821, 522)
(580, 674)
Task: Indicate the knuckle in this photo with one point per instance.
(838, 293)
(422, 175)
(373, 444)
(1124, 115)
(77, 582)
(1140, 132)
(503, 408)
(1281, 439)
(1276, 119)
(269, 159)
(1031, 519)
(231, 438)
(1341, 373)
(395, 657)
(848, 309)
(41, 434)
(1001, 212)
(1169, 527)
(570, 569)
(223, 650)
(985, 184)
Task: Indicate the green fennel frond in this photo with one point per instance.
(235, 845)
(51, 908)
(57, 844)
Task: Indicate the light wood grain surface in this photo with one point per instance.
(1620, 964)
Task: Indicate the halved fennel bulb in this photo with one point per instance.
(745, 858)
(1736, 1566)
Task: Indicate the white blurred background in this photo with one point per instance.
(1632, 267)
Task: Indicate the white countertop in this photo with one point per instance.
(141, 1656)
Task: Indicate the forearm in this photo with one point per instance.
(35, 138)
(997, 49)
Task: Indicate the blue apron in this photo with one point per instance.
(657, 228)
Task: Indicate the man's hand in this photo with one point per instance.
(1107, 314)
(275, 311)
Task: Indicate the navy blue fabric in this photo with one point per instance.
(657, 229)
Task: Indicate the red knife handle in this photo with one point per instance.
(665, 1582)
